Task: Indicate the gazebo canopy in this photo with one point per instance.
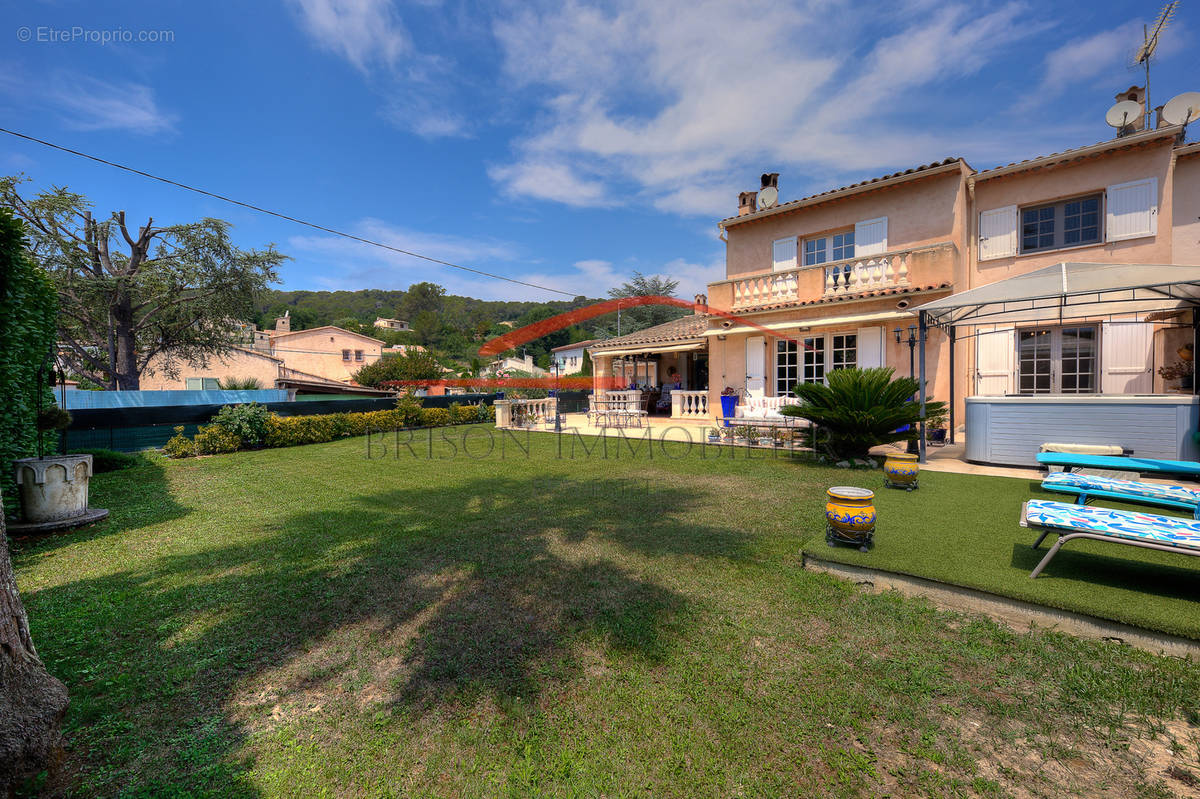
(1070, 291)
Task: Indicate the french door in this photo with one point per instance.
(1057, 360)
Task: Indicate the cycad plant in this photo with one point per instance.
(861, 408)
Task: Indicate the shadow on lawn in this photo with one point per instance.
(1090, 568)
(413, 599)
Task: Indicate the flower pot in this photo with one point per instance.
(850, 516)
(728, 407)
(54, 488)
(900, 470)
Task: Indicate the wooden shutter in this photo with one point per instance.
(1132, 210)
(998, 233)
(784, 253)
(870, 347)
(1126, 355)
(995, 352)
(756, 366)
(870, 237)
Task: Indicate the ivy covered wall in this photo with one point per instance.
(28, 310)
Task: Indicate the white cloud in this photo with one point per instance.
(87, 103)
(673, 102)
(364, 32)
(1084, 59)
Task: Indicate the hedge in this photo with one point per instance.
(290, 431)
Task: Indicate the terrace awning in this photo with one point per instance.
(1070, 291)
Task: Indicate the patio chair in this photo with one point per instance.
(1090, 486)
(1071, 461)
(1068, 522)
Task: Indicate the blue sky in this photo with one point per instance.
(562, 143)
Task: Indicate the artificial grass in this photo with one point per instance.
(311, 622)
(963, 530)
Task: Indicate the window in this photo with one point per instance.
(358, 355)
(814, 359)
(814, 252)
(843, 246)
(845, 351)
(202, 384)
(1057, 360)
(786, 367)
(1069, 223)
(345, 355)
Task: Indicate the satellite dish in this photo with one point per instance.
(1124, 113)
(767, 197)
(1182, 109)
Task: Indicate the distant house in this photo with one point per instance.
(403, 349)
(504, 367)
(391, 324)
(569, 357)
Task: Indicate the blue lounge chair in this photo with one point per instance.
(1164, 533)
(1090, 486)
(1069, 461)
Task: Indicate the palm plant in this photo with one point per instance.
(861, 408)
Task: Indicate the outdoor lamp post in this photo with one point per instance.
(912, 349)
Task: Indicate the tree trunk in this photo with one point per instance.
(32, 702)
(125, 368)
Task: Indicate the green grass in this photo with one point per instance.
(307, 622)
(964, 530)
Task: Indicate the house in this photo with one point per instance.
(321, 359)
(569, 357)
(403, 349)
(833, 279)
(504, 367)
(391, 324)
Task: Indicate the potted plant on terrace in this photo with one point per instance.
(1183, 371)
(714, 435)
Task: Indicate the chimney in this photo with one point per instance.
(1158, 118)
(770, 180)
(283, 324)
(1136, 94)
(746, 202)
(701, 306)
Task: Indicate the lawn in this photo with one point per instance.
(310, 622)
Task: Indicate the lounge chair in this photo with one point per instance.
(1090, 486)
(1071, 461)
(1164, 533)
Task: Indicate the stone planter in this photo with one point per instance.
(54, 492)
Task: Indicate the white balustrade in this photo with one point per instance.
(527, 412)
(866, 274)
(689, 404)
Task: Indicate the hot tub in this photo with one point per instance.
(1011, 430)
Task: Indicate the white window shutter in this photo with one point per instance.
(870, 237)
(995, 354)
(870, 347)
(784, 251)
(756, 366)
(1126, 355)
(998, 233)
(1132, 210)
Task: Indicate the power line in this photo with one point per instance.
(279, 215)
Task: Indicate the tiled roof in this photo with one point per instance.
(860, 295)
(1120, 143)
(681, 329)
(851, 188)
(577, 345)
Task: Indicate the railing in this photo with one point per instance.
(689, 404)
(848, 277)
(526, 412)
(759, 407)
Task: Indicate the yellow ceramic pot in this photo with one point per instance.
(849, 516)
(900, 470)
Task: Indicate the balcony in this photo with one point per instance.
(895, 269)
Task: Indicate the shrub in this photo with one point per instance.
(861, 408)
(213, 439)
(409, 408)
(412, 365)
(240, 384)
(247, 422)
(107, 460)
(463, 414)
(435, 417)
(180, 446)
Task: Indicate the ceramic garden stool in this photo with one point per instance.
(850, 517)
(900, 470)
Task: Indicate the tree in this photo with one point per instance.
(32, 701)
(861, 408)
(643, 316)
(412, 365)
(176, 291)
(27, 314)
(420, 297)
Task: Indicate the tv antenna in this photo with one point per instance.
(1149, 44)
(1121, 114)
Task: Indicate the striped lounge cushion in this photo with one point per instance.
(1165, 530)
(1075, 482)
